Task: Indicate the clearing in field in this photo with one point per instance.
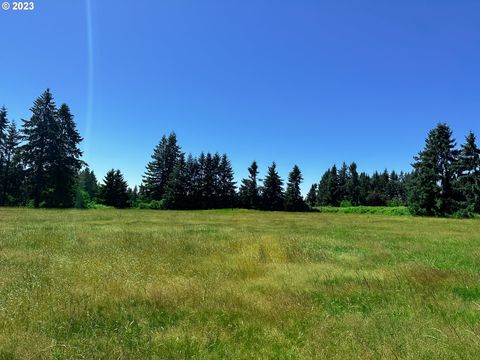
(237, 284)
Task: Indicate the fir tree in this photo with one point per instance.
(175, 193)
(469, 174)
(226, 183)
(192, 183)
(323, 195)
(332, 188)
(41, 135)
(114, 190)
(272, 191)
(293, 196)
(353, 185)
(164, 157)
(3, 135)
(12, 184)
(311, 199)
(66, 161)
(343, 177)
(431, 186)
(249, 192)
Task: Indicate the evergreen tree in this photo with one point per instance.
(249, 192)
(226, 183)
(311, 199)
(431, 185)
(332, 188)
(133, 197)
(469, 174)
(272, 192)
(88, 183)
(164, 157)
(323, 195)
(3, 135)
(207, 165)
(114, 190)
(66, 161)
(41, 135)
(293, 196)
(12, 175)
(343, 177)
(377, 196)
(364, 188)
(353, 185)
(175, 195)
(192, 183)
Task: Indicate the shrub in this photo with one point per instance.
(346, 203)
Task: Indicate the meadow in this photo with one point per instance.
(238, 284)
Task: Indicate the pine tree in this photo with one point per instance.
(431, 185)
(175, 193)
(353, 185)
(332, 188)
(3, 135)
(133, 196)
(311, 199)
(272, 192)
(323, 195)
(114, 190)
(249, 192)
(343, 177)
(469, 174)
(293, 196)
(226, 183)
(41, 135)
(192, 183)
(164, 157)
(207, 165)
(12, 183)
(364, 188)
(66, 161)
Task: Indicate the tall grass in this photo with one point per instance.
(236, 284)
(379, 210)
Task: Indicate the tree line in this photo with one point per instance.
(41, 166)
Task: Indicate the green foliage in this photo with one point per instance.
(249, 192)
(346, 203)
(431, 185)
(164, 158)
(51, 153)
(378, 210)
(272, 191)
(293, 196)
(113, 191)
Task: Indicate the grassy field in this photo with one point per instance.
(142, 284)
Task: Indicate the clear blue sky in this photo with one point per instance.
(306, 82)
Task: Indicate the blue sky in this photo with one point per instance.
(306, 82)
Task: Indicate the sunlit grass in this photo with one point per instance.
(237, 284)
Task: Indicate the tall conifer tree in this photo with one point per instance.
(272, 191)
(431, 186)
(249, 192)
(293, 196)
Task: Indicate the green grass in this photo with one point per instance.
(380, 210)
(142, 284)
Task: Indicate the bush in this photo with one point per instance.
(157, 204)
(394, 203)
(463, 214)
(346, 203)
(380, 210)
(154, 205)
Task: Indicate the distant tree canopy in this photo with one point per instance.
(41, 166)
